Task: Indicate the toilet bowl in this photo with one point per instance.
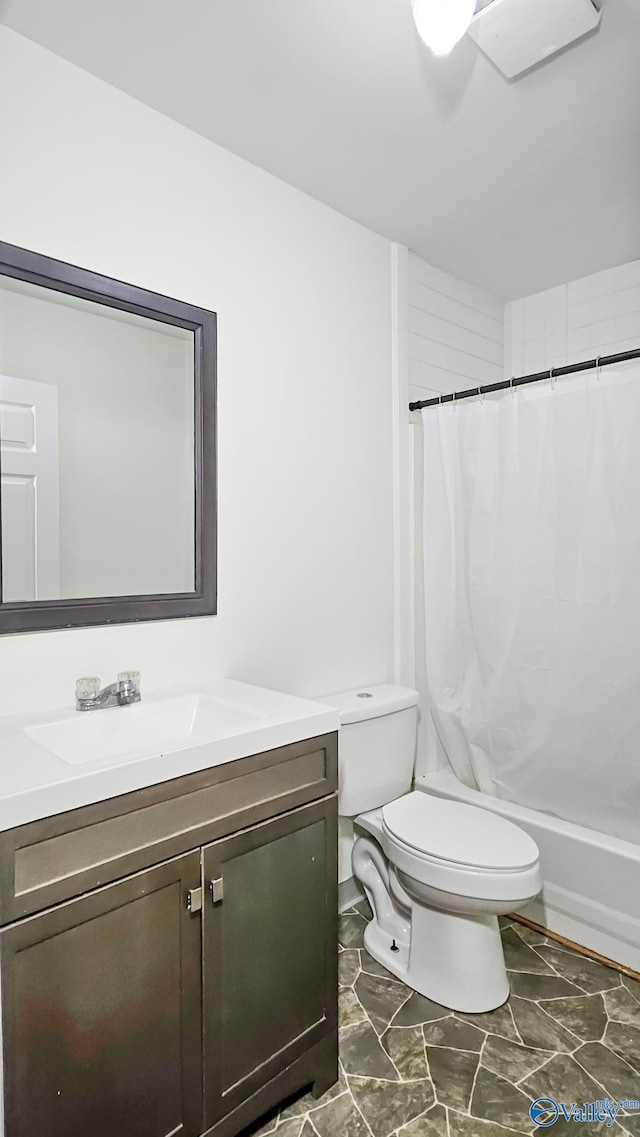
(437, 873)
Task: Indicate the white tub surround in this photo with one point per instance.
(594, 315)
(237, 720)
(590, 891)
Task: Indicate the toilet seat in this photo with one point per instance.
(516, 883)
(457, 835)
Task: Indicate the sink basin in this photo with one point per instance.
(144, 729)
(52, 761)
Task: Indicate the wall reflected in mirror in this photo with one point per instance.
(96, 449)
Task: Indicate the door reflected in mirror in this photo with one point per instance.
(97, 449)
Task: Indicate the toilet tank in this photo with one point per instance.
(376, 747)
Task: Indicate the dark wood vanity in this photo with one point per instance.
(169, 956)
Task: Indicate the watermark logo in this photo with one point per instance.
(544, 1112)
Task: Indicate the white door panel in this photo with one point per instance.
(19, 520)
(17, 426)
(29, 490)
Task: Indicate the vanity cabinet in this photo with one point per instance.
(188, 996)
(270, 953)
(101, 1009)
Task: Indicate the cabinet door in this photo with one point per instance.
(270, 951)
(101, 1012)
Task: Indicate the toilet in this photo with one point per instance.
(436, 872)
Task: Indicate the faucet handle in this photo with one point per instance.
(87, 688)
(131, 678)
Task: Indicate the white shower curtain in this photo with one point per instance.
(532, 594)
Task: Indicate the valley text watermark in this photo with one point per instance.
(546, 1111)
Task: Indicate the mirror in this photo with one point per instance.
(107, 449)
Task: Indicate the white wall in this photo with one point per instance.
(597, 315)
(303, 298)
(125, 428)
(456, 333)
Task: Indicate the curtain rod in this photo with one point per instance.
(537, 377)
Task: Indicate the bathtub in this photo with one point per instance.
(591, 891)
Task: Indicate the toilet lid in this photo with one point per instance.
(459, 833)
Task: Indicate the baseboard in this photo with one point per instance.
(573, 945)
(581, 920)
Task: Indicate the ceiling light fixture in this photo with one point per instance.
(441, 23)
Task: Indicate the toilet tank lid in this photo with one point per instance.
(371, 702)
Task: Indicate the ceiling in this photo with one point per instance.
(512, 186)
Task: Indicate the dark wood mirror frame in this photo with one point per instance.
(41, 615)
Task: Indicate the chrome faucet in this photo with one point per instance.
(124, 691)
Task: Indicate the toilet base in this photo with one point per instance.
(456, 961)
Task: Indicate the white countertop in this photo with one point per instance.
(34, 783)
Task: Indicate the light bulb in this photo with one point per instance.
(441, 23)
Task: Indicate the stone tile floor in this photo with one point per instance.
(570, 1030)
